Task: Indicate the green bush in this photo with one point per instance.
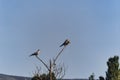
(43, 77)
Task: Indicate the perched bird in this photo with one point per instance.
(35, 53)
(66, 42)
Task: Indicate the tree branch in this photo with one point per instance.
(59, 54)
(43, 63)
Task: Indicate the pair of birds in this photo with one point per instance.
(66, 42)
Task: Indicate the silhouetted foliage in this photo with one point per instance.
(36, 78)
(101, 78)
(91, 77)
(113, 68)
(43, 77)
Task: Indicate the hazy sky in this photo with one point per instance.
(93, 27)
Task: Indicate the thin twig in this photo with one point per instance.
(43, 63)
(59, 54)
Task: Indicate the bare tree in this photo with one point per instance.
(53, 69)
(59, 71)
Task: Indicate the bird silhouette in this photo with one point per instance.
(66, 42)
(35, 53)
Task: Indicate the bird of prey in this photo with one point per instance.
(66, 42)
(35, 53)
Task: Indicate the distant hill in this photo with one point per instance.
(10, 77)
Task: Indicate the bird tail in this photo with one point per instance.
(61, 45)
(30, 55)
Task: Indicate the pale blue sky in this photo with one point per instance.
(92, 26)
